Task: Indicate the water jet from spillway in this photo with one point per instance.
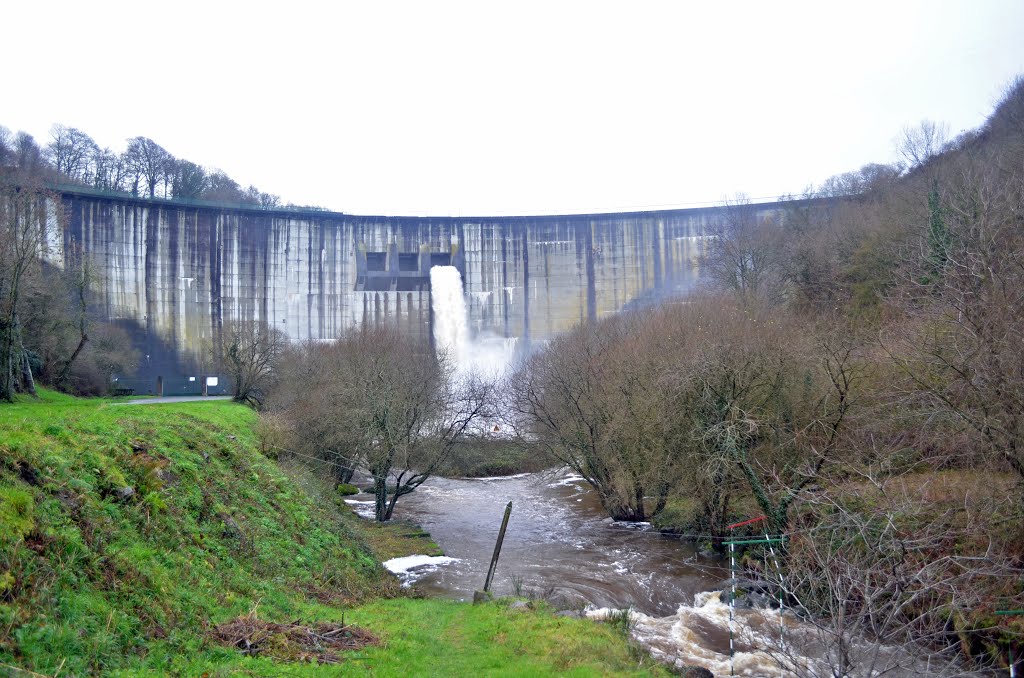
(487, 356)
(451, 336)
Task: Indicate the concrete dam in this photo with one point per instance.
(175, 272)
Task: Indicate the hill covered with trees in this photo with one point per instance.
(854, 372)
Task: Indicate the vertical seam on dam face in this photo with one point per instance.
(309, 273)
(591, 285)
(525, 257)
(216, 265)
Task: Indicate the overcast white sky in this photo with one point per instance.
(515, 107)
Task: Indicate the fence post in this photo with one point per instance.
(497, 548)
(480, 596)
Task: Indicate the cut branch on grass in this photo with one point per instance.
(322, 643)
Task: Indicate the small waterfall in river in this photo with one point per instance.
(487, 355)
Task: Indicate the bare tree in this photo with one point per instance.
(147, 161)
(189, 180)
(917, 144)
(81, 278)
(323, 415)
(23, 222)
(219, 186)
(27, 156)
(869, 178)
(71, 152)
(763, 395)
(885, 573)
(258, 197)
(742, 257)
(251, 353)
(414, 411)
(594, 400)
(109, 170)
(965, 294)
(6, 147)
(384, 400)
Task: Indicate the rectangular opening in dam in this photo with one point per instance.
(376, 261)
(442, 259)
(412, 284)
(408, 262)
(392, 283)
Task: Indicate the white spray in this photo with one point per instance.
(485, 355)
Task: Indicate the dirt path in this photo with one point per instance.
(171, 399)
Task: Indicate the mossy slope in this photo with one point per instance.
(94, 578)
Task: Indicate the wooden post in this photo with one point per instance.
(497, 548)
(1013, 664)
(159, 387)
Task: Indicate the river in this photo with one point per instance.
(560, 544)
(558, 541)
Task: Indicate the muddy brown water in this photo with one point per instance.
(559, 541)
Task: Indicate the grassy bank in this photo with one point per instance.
(447, 638)
(130, 534)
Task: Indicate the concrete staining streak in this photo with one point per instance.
(181, 271)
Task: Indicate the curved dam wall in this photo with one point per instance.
(174, 272)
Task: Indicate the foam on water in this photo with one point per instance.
(697, 635)
(489, 479)
(683, 639)
(411, 568)
(569, 480)
(363, 509)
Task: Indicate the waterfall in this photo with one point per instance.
(487, 355)
(451, 334)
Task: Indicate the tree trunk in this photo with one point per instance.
(65, 370)
(26, 375)
(619, 510)
(638, 503)
(662, 500)
(6, 361)
(380, 497)
(345, 473)
(391, 505)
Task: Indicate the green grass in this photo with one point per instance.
(96, 582)
(448, 638)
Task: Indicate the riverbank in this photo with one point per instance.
(131, 538)
(488, 458)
